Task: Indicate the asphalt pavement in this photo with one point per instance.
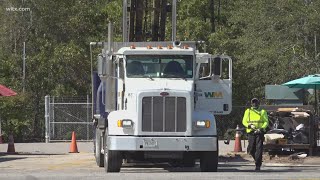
(86, 147)
(52, 161)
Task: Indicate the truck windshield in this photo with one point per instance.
(159, 66)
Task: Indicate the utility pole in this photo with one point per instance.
(315, 46)
(24, 68)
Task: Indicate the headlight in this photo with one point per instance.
(203, 124)
(125, 123)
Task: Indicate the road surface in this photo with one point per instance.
(82, 166)
(52, 161)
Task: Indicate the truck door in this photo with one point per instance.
(213, 81)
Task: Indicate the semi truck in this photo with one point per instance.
(157, 101)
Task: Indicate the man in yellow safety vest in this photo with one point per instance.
(256, 121)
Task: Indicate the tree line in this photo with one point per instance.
(270, 42)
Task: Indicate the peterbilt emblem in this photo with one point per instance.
(164, 94)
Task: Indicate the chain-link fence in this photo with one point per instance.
(67, 114)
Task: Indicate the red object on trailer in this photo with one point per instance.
(4, 91)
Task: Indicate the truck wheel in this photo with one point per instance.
(112, 159)
(209, 161)
(98, 146)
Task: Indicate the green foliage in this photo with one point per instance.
(16, 115)
(276, 42)
(57, 36)
(270, 42)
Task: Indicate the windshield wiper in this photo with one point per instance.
(149, 77)
(175, 76)
(183, 77)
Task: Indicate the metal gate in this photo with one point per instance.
(63, 115)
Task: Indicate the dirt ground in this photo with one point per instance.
(274, 159)
(312, 160)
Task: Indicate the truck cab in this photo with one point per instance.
(161, 100)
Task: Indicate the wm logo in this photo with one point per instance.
(213, 95)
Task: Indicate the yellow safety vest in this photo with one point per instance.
(257, 117)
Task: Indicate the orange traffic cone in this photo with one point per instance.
(11, 149)
(73, 146)
(237, 143)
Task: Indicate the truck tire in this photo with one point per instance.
(209, 161)
(98, 146)
(112, 159)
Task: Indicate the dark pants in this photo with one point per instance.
(255, 147)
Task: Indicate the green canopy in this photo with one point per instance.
(307, 82)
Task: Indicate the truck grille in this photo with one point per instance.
(164, 114)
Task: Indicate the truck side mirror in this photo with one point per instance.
(101, 65)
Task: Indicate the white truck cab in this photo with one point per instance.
(161, 100)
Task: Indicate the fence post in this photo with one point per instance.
(52, 118)
(47, 118)
(88, 116)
